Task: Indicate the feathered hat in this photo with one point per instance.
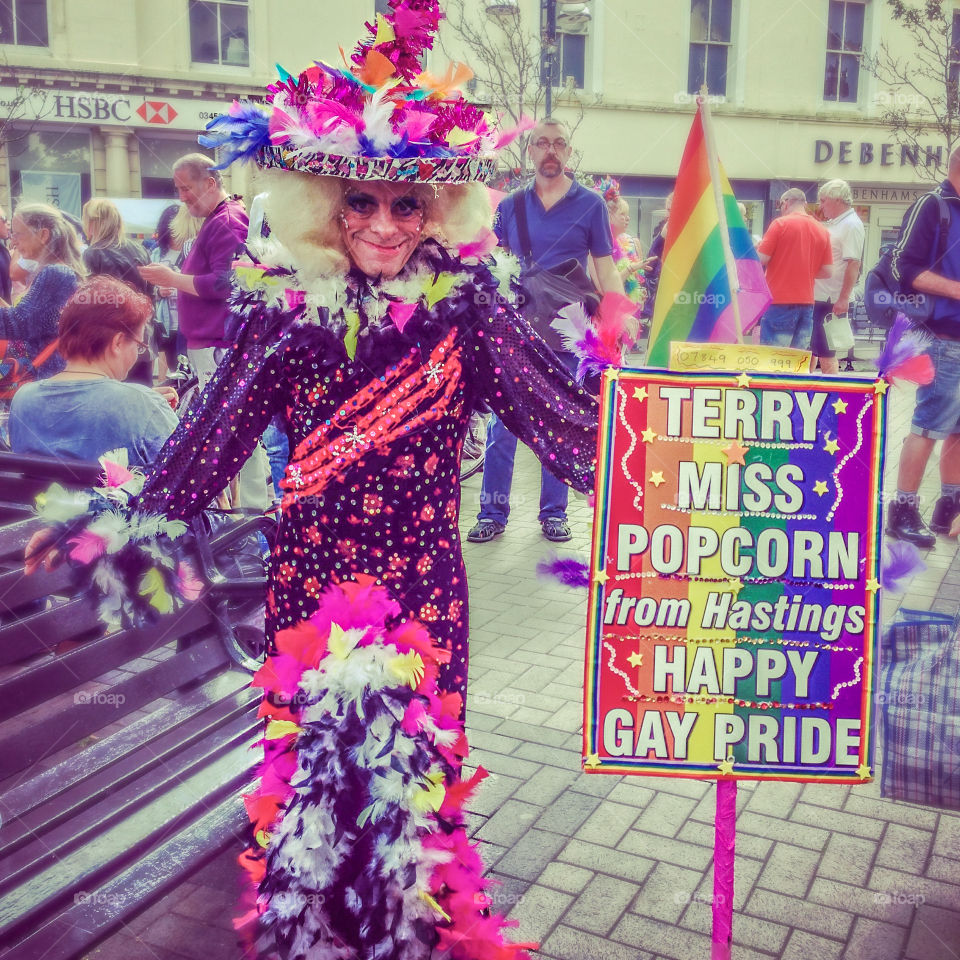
(607, 187)
(380, 117)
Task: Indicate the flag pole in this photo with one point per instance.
(714, 168)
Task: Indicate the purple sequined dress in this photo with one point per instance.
(372, 486)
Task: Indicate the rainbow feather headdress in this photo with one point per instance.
(380, 117)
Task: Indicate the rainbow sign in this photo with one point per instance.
(734, 603)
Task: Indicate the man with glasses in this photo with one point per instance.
(795, 251)
(551, 222)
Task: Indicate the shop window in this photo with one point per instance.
(841, 79)
(50, 166)
(711, 24)
(570, 60)
(24, 22)
(219, 32)
(157, 157)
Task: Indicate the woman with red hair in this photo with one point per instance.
(86, 409)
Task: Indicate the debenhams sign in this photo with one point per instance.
(864, 154)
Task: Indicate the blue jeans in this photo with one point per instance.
(937, 413)
(787, 325)
(498, 473)
(278, 451)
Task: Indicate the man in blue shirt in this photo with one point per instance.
(565, 221)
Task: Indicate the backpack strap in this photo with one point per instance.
(944, 209)
(523, 227)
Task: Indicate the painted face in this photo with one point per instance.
(381, 225)
(549, 151)
(29, 242)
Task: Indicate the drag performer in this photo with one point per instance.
(372, 322)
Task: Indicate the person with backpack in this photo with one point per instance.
(926, 265)
(553, 226)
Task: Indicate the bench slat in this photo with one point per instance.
(86, 922)
(43, 787)
(119, 804)
(92, 659)
(150, 759)
(142, 689)
(124, 843)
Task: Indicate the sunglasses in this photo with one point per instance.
(142, 347)
(362, 206)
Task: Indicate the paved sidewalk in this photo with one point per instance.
(608, 868)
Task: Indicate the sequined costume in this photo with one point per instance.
(372, 486)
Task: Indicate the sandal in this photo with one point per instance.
(557, 531)
(486, 530)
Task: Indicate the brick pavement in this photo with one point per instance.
(609, 868)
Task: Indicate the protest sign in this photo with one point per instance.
(733, 601)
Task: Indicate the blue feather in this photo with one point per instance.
(240, 133)
(900, 560)
(568, 570)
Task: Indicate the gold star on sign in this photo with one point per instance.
(840, 406)
(613, 373)
(873, 584)
(601, 577)
(735, 452)
(656, 478)
(640, 393)
(635, 659)
(820, 487)
(863, 772)
(648, 435)
(880, 386)
(592, 761)
(736, 585)
(743, 380)
(726, 766)
(831, 446)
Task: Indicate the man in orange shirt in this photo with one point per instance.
(795, 251)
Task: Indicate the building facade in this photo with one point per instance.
(100, 96)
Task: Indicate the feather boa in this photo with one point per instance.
(126, 561)
(567, 570)
(902, 357)
(598, 342)
(900, 561)
(359, 841)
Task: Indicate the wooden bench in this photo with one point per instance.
(125, 753)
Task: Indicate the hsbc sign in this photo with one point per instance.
(123, 110)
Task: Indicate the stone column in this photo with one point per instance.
(118, 161)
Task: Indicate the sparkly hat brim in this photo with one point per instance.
(464, 169)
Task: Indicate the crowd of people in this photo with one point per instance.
(354, 330)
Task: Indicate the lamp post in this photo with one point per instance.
(573, 17)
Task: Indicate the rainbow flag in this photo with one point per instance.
(694, 300)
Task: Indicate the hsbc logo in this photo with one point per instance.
(156, 111)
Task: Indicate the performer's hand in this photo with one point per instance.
(41, 551)
(157, 273)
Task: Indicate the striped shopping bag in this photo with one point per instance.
(920, 705)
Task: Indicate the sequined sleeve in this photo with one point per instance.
(536, 397)
(222, 428)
